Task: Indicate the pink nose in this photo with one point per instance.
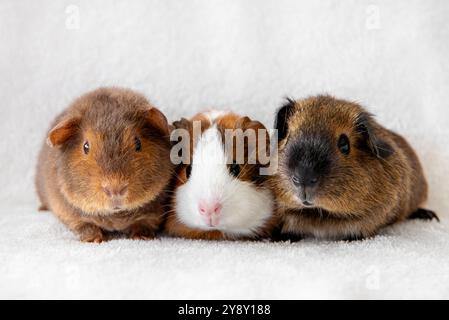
(114, 191)
(210, 211)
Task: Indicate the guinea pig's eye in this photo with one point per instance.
(188, 171)
(296, 181)
(343, 144)
(234, 169)
(138, 144)
(86, 147)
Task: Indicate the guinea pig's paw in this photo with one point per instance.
(140, 232)
(353, 238)
(285, 237)
(91, 233)
(424, 214)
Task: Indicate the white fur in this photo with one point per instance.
(213, 114)
(245, 207)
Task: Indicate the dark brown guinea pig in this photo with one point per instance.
(342, 175)
(220, 194)
(106, 165)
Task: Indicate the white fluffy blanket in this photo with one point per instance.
(245, 55)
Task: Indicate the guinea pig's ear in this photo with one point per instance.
(246, 123)
(63, 131)
(282, 116)
(367, 128)
(156, 120)
(183, 124)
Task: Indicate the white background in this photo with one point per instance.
(186, 56)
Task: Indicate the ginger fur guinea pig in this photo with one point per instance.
(341, 174)
(106, 165)
(216, 197)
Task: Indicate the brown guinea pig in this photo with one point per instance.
(106, 165)
(342, 175)
(218, 194)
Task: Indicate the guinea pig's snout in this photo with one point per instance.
(306, 181)
(116, 193)
(210, 211)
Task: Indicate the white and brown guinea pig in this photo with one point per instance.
(341, 174)
(214, 197)
(106, 165)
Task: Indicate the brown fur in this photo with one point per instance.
(70, 183)
(249, 172)
(363, 192)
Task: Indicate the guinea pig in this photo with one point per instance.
(215, 196)
(106, 165)
(341, 175)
